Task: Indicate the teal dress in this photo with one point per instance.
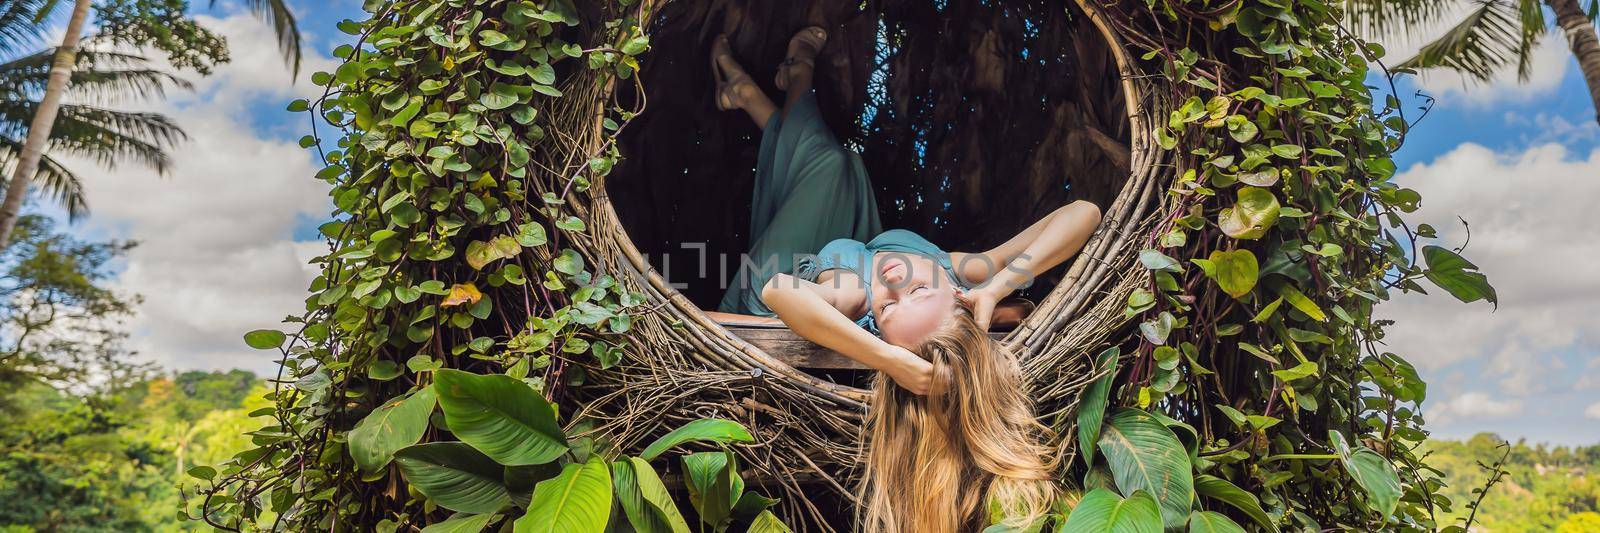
(812, 211)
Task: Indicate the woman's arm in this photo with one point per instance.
(1043, 245)
(804, 306)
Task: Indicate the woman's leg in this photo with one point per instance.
(795, 76)
(737, 88)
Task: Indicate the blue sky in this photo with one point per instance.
(226, 237)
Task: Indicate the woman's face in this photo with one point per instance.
(912, 296)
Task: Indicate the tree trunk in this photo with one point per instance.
(1584, 43)
(43, 119)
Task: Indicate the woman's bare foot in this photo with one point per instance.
(803, 49)
(734, 85)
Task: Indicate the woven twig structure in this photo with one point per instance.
(682, 365)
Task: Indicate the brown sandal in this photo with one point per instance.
(803, 50)
(727, 83)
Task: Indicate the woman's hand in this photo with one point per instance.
(911, 372)
(982, 301)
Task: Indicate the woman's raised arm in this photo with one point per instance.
(804, 306)
(1013, 264)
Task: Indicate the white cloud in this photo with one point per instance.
(1532, 220)
(1593, 411)
(1550, 63)
(1473, 406)
(216, 256)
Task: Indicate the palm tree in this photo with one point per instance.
(1491, 35)
(105, 135)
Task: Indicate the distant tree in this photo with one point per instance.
(59, 324)
(162, 25)
(1492, 34)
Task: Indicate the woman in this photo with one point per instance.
(820, 262)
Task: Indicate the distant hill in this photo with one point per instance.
(1545, 488)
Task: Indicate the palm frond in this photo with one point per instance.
(54, 179)
(276, 13)
(1396, 17)
(1490, 36)
(105, 136)
(101, 77)
(18, 28)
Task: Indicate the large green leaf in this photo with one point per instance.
(645, 500)
(709, 429)
(461, 523)
(1455, 274)
(1092, 409)
(714, 485)
(578, 500)
(1103, 511)
(1215, 487)
(455, 476)
(1251, 216)
(1212, 522)
(1372, 472)
(500, 416)
(1144, 455)
(389, 428)
(766, 522)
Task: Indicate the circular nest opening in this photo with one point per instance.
(974, 119)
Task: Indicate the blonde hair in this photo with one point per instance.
(937, 463)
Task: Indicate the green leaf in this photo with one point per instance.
(1153, 259)
(1220, 489)
(1372, 472)
(455, 476)
(1287, 151)
(1092, 410)
(265, 339)
(1300, 301)
(569, 262)
(531, 234)
(1235, 271)
(1455, 274)
(705, 429)
(500, 416)
(392, 426)
(1212, 522)
(1144, 455)
(644, 498)
(499, 96)
(1301, 370)
(766, 522)
(1251, 216)
(202, 472)
(577, 500)
(1103, 511)
(461, 523)
(714, 484)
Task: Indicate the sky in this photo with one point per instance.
(225, 238)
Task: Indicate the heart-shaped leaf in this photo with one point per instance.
(1251, 216)
(455, 476)
(1235, 271)
(500, 416)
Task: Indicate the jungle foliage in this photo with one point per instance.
(1252, 388)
